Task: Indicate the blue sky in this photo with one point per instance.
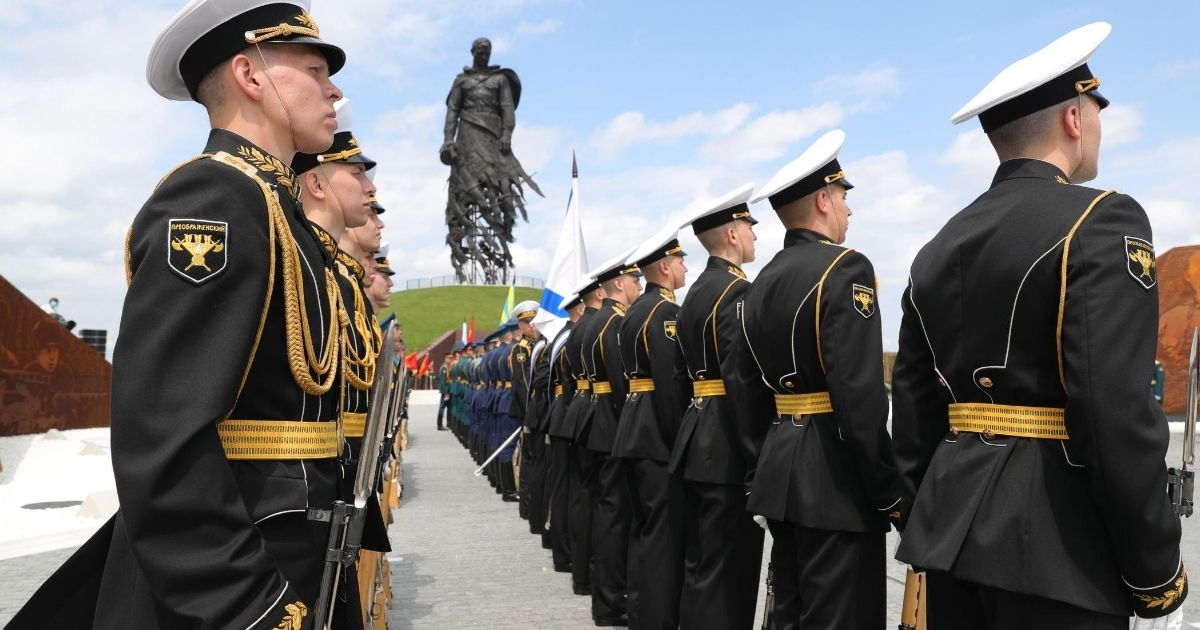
(666, 104)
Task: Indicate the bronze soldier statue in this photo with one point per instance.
(485, 177)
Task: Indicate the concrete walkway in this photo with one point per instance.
(461, 557)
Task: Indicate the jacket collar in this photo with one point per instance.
(270, 168)
(716, 263)
(804, 235)
(1026, 168)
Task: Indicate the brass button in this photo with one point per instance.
(787, 384)
(985, 382)
(954, 431)
(988, 434)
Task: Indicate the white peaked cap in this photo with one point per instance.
(1027, 77)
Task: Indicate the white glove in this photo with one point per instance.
(761, 520)
(1173, 621)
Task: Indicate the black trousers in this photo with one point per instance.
(955, 603)
(724, 556)
(582, 472)
(656, 543)
(610, 538)
(558, 486)
(535, 462)
(828, 579)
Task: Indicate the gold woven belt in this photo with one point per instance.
(507, 384)
(278, 439)
(700, 389)
(558, 390)
(1046, 423)
(601, 387)
(354, 425)
(582, 385)
(637, 385)
(802, 404)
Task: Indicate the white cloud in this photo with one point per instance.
(888, 192)
(769, 136)
(409, 119)
(630, 129)
(973, 155)
(866, 85)
(1121, 124)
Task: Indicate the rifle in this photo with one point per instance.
(912, 609)
(1180, 482)
(346, 520)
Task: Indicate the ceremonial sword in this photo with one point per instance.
(496, 453)
(1180, 483)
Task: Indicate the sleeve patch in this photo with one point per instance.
(1139, 261)
(863, 299)
(197, 249)
(670, 329)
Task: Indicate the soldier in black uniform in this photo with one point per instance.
(646, 431)
(1024, 426)
(561, 389)
(811, 399)
(534, 448)
(337, 194)
(724, 543)
(581, 473)
(518, 366)
(611, 514)
(213, 528)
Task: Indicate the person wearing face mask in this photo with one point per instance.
(724, 543)
(813, 408)
(646, 430)
(1024, 429)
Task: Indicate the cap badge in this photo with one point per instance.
(197, 248)
(864, 300)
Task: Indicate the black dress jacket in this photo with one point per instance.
(811, 326)
(650, 420)
(706, 448)
(990, 318)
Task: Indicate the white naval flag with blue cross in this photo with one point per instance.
(569, 264)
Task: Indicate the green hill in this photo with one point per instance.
(428, 313)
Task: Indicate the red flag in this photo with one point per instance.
(411, 361)
(425, 365)
(471, 331)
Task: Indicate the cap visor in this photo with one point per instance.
(334, 56)
(1100, 99)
